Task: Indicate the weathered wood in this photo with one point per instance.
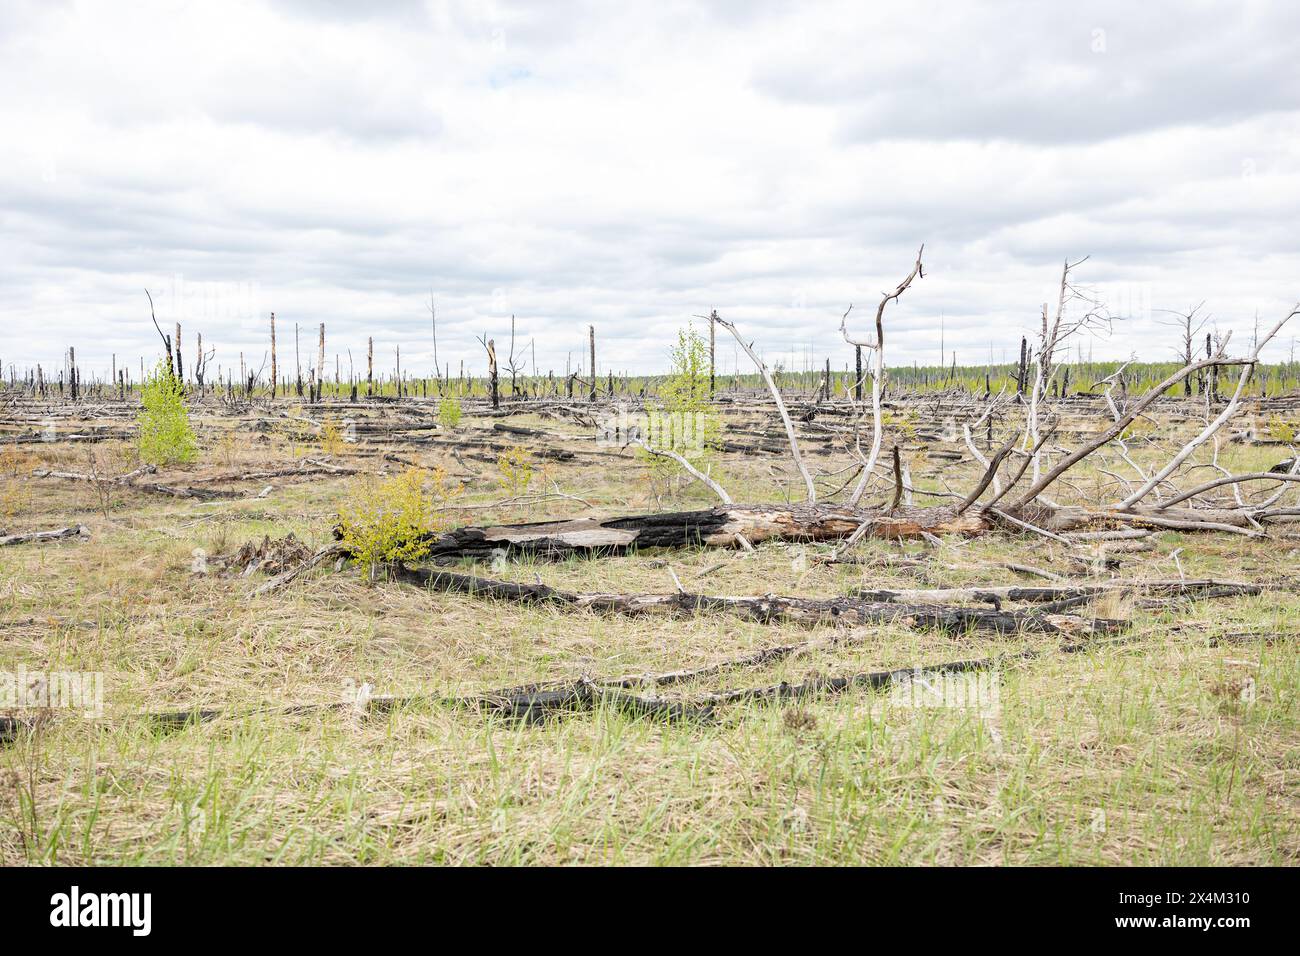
(73, 531)
(713, 527)
(719, 527)
(765, 609)
(275, 371)
(995, 595)
(131, 480)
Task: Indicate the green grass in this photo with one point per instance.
(1139, 750)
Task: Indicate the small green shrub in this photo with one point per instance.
(683, 419)
(389, 519)
(449, 413)
(1138, 428)
(165, 434)
(516, 470)
(1279, 429)
(903, 423)
(331, 437)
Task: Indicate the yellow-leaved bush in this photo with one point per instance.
(392, 518)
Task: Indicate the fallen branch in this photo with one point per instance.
(995, 595)
(711, 527)
(1229, 480)
(280, 580)
(72, 531)
(766, 609)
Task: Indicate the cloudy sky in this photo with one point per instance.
(629, 165)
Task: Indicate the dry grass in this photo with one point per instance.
(1142, 749)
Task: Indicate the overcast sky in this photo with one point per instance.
(629, 165)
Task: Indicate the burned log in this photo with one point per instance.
(718, 527)
(995, 595)
(73, 531)
(709, 527)
(764, 609)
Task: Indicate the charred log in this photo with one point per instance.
(766, 609)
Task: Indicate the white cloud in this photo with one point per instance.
(589, 164)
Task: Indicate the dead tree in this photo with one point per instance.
(433, 324)
(1189, 326)
(274, 368)
(1127, 506)
(167, 342)
(878, 370)
(766, 609)
(1247, 369)
(1022, 370)
(320, 363)
(713, 325)
(512, 364)
(180, 368)
(490, 346)
(201, 360)
(857, 374)
(1054, 333)
(1005, 509)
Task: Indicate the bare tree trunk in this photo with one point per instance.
(591, 331)
(433, 323)
(1023, 369)
(320, 363)
(180, 371)
(713, 328)
(274, 368)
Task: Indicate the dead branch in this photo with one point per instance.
(73, 531)
(1247, 369)
(767, 609)
(780, 407)
(878, 371)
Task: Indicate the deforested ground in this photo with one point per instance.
(1172, 739)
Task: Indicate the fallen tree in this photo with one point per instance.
(710, 527)
(765, 609)
(56, 534)
(729, 523)
(132, 480)
(535, 703)
(720, 527)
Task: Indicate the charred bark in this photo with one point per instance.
(765, 609)
(710, 527)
